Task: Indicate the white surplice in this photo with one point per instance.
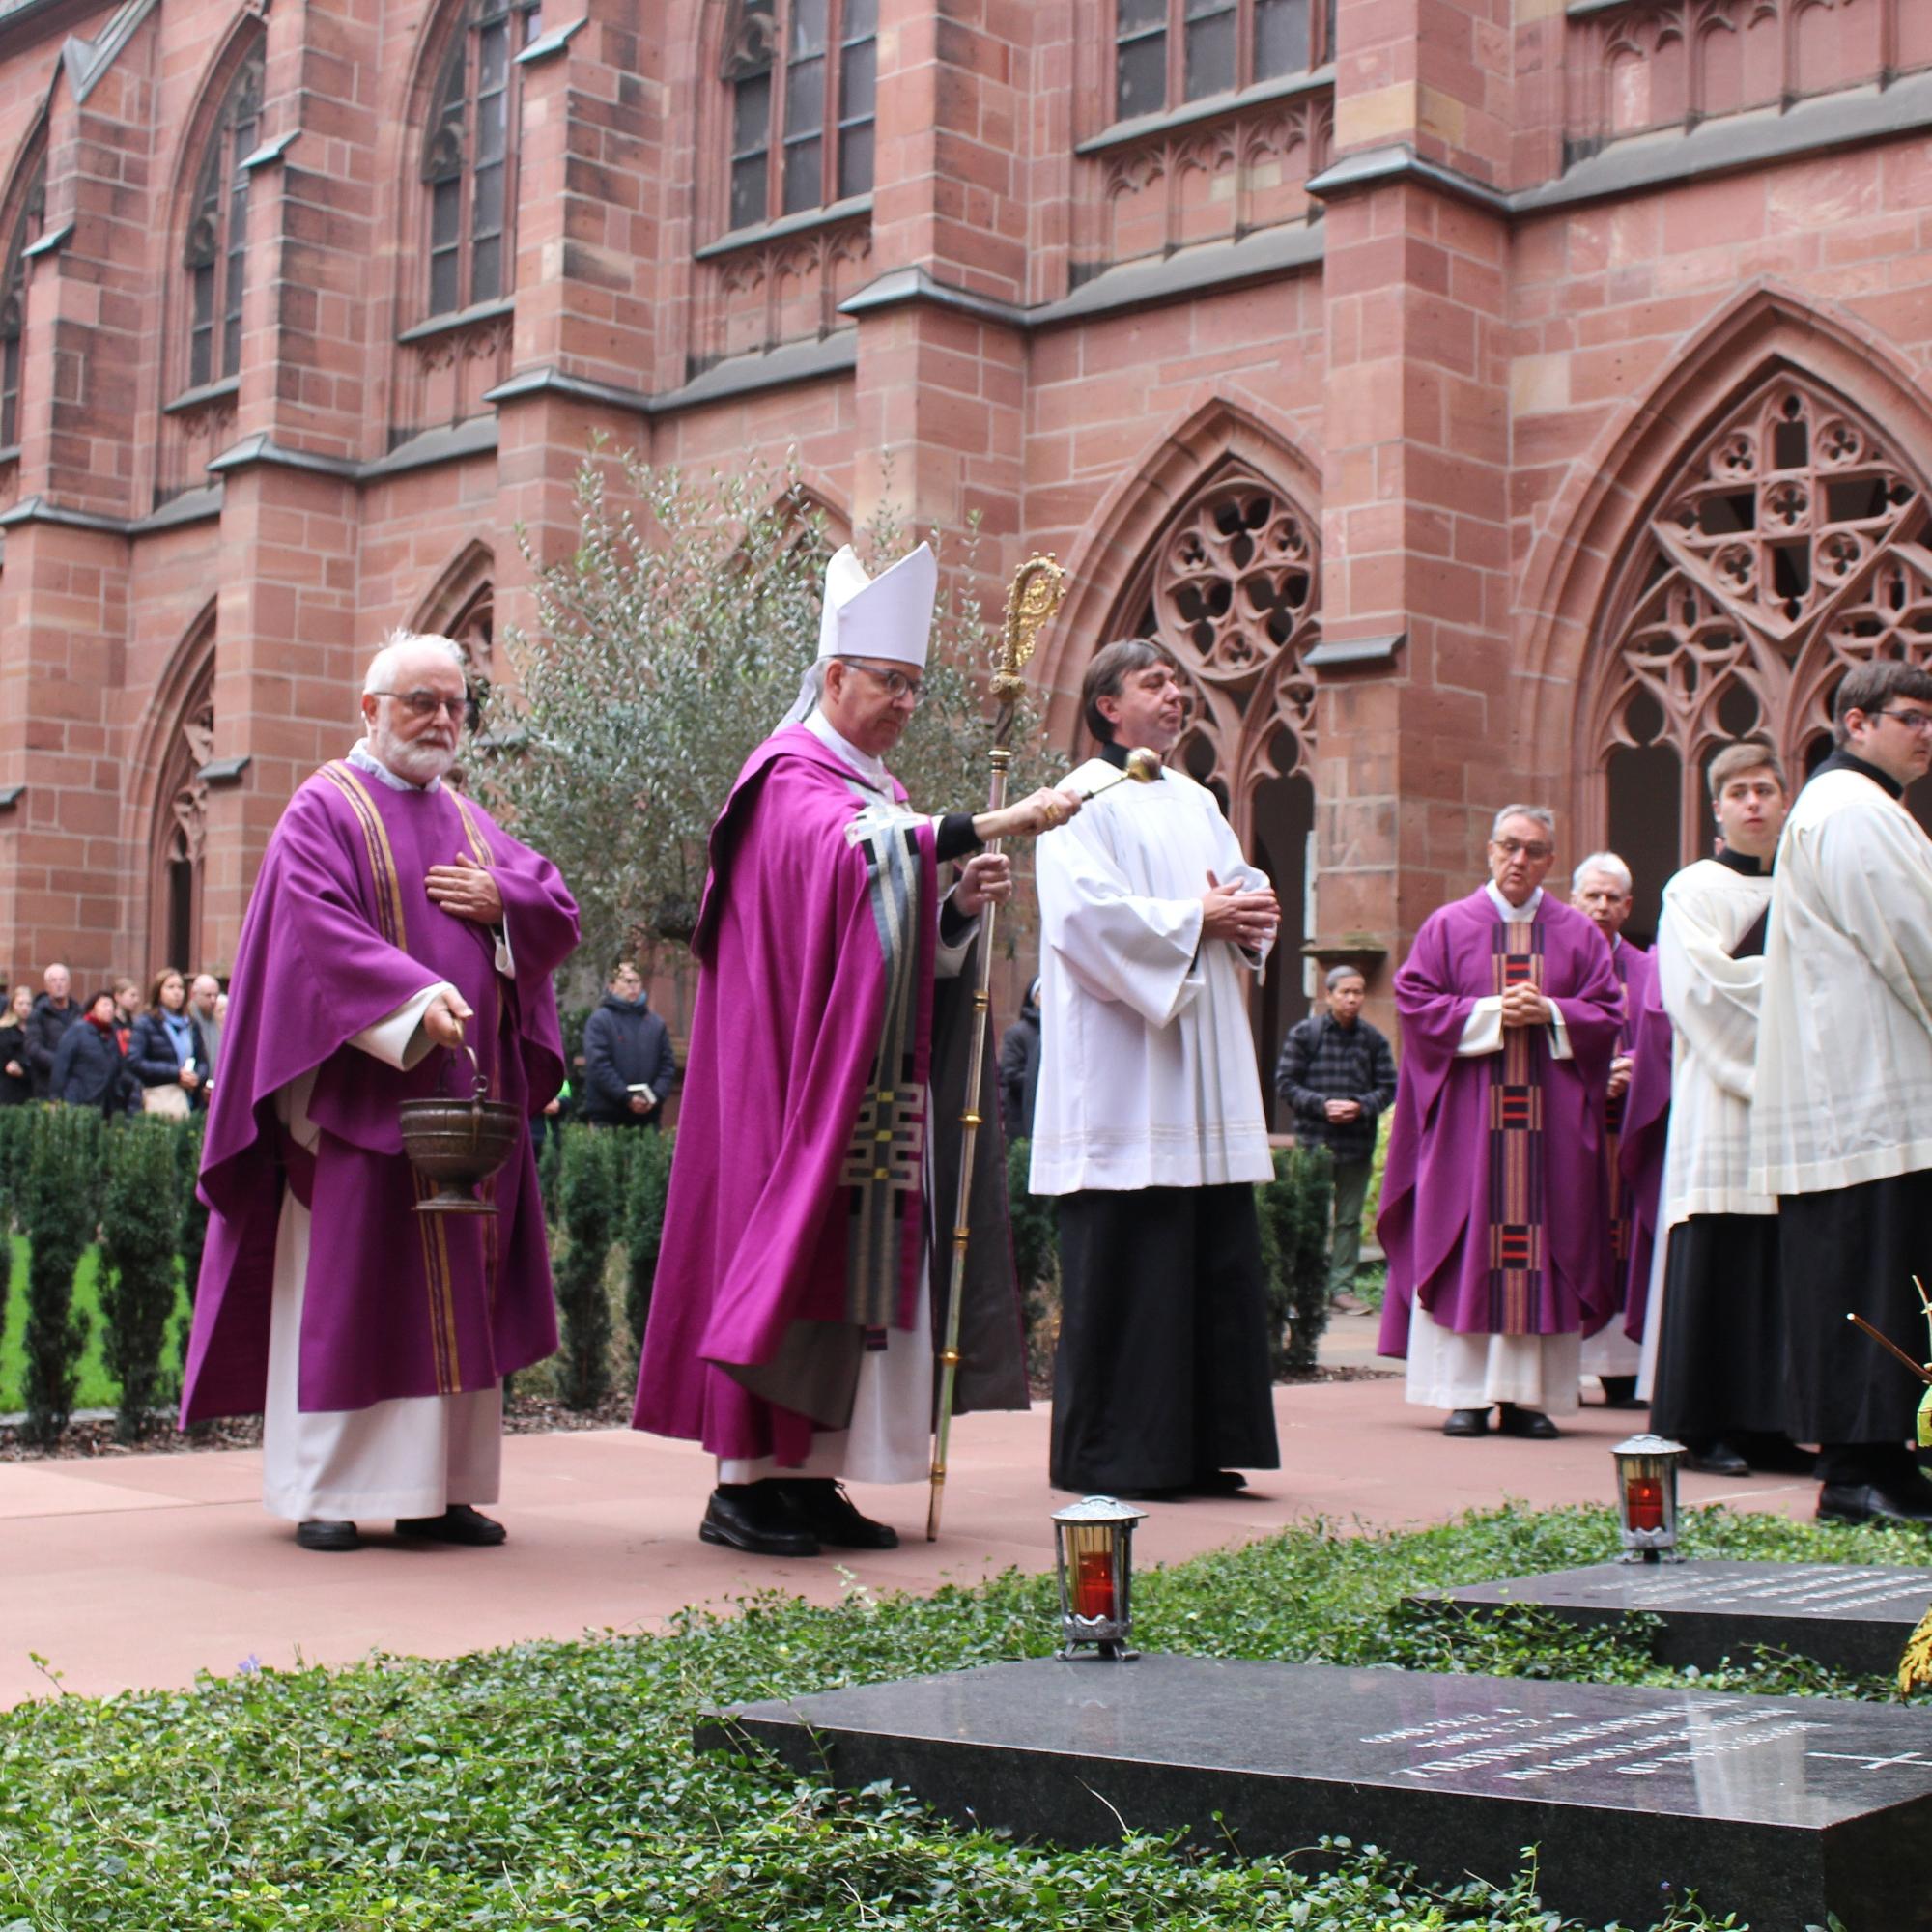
(1712, 1001)
(1148, 1075)
(1843, 1088)
(890, 1438)
(1449, 1369)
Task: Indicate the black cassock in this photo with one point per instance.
(1162, 1371)
(1721, 1367)
(1855, 1250)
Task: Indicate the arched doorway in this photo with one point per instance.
(1231, 585)
(179, 822)
(1791, 542)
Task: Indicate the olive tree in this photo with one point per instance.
(666, 647)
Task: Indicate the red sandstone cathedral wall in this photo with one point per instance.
(1487, 399)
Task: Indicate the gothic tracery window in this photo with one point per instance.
(1232, 590)
(468, 163)
(1792, 543)
(802, 76)
(1167, 52)
(216, 254)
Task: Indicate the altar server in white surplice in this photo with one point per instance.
(1148, 1124)
(1841, 1104)
(1714, 1333)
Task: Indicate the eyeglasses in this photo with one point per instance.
(1919, 721)
(900, 688)
(1510, 847)
(426, 703)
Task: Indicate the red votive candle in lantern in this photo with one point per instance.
(1094, 1584)
(1643, 1497)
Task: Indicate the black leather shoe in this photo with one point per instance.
(1529, 1423)
(1716, 1458)
(1215, 1483)
(1868, 1503)
(826, 1512)
(1620, 1392)
(755, 1517)
(1467, 1422)
(458, 1524)
(318, 1535)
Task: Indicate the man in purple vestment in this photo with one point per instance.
(392, 916)
(1601, 890)
(791, 1321)
(1493, 1199)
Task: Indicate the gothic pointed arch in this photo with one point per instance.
(463, 605)
(1791, 540)
(22, 216)
(211, 212)
(178, 742)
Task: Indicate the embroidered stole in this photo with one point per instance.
(884, 1167)
(1622, 1203)
(1517, 1145)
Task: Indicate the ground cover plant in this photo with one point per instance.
(554, 1785)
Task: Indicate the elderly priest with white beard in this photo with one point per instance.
(1148, 1124)
(391, 915)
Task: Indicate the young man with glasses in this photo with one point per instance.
(1494, 1197)
(1841, 1109)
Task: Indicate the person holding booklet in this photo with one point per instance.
(629, 1067)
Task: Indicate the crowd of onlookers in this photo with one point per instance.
(116, 1051)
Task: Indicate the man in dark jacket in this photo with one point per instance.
(54, 1012)
(628, 1066)
(1337, 1074)
(88, 1070)
(1019, 1069)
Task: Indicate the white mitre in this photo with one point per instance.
(888, 617)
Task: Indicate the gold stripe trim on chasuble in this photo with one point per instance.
(479, 846)
(441, 1307)
(390, 918)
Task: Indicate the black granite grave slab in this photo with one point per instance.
(1776, 1808)
(1852, 1616)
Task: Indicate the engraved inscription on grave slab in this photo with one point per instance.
(1780, 1809)
(1852, 1616)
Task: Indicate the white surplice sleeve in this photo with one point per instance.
(1483, 1030)
(397, 1039)
(1713, 1000)
(1115, 943)
(1232, 867)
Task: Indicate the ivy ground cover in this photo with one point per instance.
(554, 1785)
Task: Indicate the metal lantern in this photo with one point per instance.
(1093, 1551)
(1647, 1498)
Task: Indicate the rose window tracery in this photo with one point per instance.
(1232, 590)
(1793, 543)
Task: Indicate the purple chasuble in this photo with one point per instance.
(1646, 1121)
(1494, 1199)
(1635, 970)
(340, 932)
(794, 1230)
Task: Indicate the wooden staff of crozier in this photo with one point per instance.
(1031, 598)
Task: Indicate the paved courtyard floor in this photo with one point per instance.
(136, 1572)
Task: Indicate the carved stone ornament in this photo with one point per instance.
(1793, 545)
(1234, 592)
